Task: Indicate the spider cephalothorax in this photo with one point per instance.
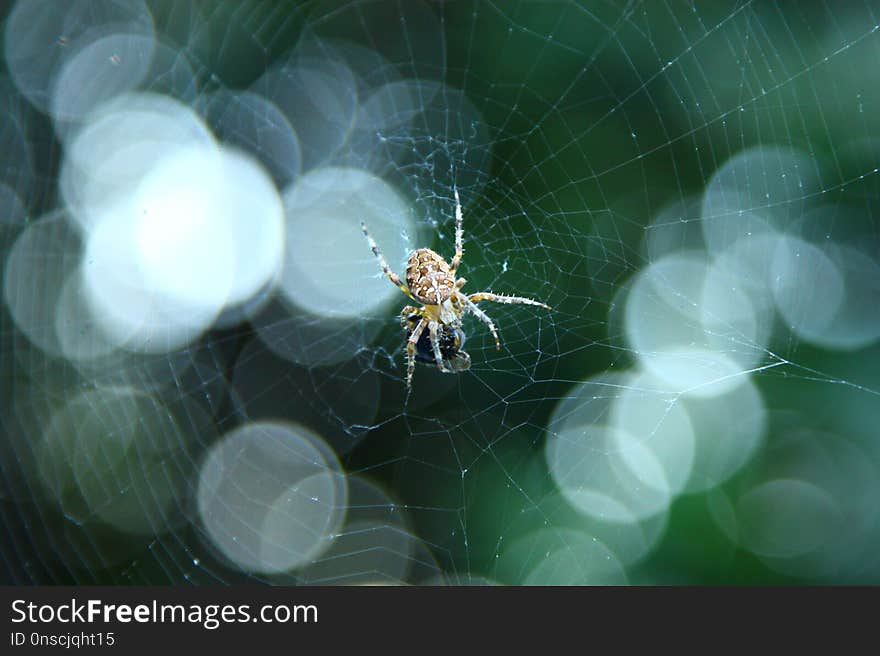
(431, 281)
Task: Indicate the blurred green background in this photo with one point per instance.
(579, 133)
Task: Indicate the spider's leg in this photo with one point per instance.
(459, 234)
(382, 263)
(482, 316)
(407, 312)
(461, 282)
(434, 329)
(501, 298)
(411, 351)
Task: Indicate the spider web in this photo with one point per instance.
(691, 188)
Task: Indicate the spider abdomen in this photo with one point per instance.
(429, 277)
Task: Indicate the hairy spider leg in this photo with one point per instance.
(408, 310)
(434, 329)
(382, 263)
(411, 350)
(459, 234)
(502, 298)
(482, 316)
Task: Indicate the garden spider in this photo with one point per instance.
(430, 280)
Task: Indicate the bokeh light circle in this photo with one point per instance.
(271, 497)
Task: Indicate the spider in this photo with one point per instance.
(431, 281)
